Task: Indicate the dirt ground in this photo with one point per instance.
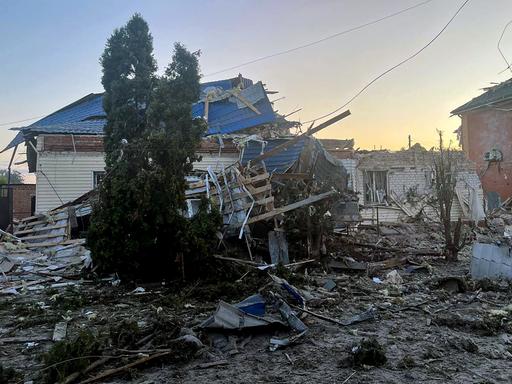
(432, 328)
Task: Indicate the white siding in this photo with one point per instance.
(351, 168)
(64, 176)
(400, 180)
(215, 161)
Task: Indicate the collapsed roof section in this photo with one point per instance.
(281, 162)
(228, 106)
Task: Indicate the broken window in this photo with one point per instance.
(375, 187)
(97, 177)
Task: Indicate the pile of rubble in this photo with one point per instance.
(374, 314)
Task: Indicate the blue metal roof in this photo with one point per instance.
(87, 107)
(226, 115)
(280, 162)
(18, 139)
(87, 127)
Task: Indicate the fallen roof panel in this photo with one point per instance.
(280, 162)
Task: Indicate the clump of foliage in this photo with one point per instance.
(138, 229)
(66, 357)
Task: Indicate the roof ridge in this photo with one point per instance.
(82, 100)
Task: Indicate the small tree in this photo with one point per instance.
(445, 182)
(137, 228)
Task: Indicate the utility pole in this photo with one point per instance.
(409, 139)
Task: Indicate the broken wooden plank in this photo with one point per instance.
(254, 179)
(394, 199)
(25, 219)
(244, 101)
(24, 339)
(124, 368)
(241, 261)
(291, 142)
(291, 207)
(256, 191)
(40, 229)
(47, 236)
(212, 364)
(248, 205)
(424, 252)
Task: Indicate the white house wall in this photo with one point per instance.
(400, 180)
(215, 161)
(64, 176)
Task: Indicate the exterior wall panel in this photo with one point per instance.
(483, 130)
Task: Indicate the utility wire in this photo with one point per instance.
(499, 48)
(320, 40)
(21, 121)
(392, 68)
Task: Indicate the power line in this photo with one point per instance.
(320, 40)
(499, 48)
(392, 68)
(21, 121)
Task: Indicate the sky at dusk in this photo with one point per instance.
(50, 50)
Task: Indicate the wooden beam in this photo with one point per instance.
(40, 229)
(48, 236)
(291, 142)
(291, 207)
(244, 101)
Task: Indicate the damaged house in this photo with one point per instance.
(485, 135)
(395, 186)
(246, 154)
(65, 148)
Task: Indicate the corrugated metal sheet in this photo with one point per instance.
(88, 127)
(72, 119)
(18, 139)
(215, 161)
(86, 107)
(224, 116)
(499, 93)
(278, 163)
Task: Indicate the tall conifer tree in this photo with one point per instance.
(138, 228)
